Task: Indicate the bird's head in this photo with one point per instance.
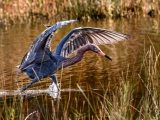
(97, 50)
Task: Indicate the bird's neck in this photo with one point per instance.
(70, 61)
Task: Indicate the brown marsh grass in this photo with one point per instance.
(135, 98)
(29, 10)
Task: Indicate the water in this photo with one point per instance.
(93, 71)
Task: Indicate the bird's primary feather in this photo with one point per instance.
(37, 52)
(80, 37)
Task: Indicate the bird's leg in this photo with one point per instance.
(54, 78)
(33, 81)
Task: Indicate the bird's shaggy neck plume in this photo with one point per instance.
(75, 59)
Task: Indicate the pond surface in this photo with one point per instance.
(93, 71)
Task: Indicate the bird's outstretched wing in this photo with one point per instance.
(40, 47)
(79, 37)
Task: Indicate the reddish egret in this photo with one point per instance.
(39, 62)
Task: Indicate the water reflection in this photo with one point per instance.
(15, 41)
(93, 72)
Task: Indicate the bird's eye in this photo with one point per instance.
(95, 50)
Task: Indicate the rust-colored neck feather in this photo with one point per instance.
(70, 61)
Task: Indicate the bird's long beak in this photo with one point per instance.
(103, 54)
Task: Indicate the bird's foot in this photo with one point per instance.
(22, 91)
(54, 87)
(54, 90)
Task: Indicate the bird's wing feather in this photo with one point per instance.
(41, 46)
(83, 36)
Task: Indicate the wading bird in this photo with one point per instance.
(39, 62)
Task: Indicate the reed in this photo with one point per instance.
(29, 10)
(126, 102)
(136, 97)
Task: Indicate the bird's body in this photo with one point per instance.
(39, 62)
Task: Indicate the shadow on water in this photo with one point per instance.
(100, 79)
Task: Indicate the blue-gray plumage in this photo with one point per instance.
(39, 62)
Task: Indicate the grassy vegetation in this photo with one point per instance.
(136, 97)
(11, 10)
